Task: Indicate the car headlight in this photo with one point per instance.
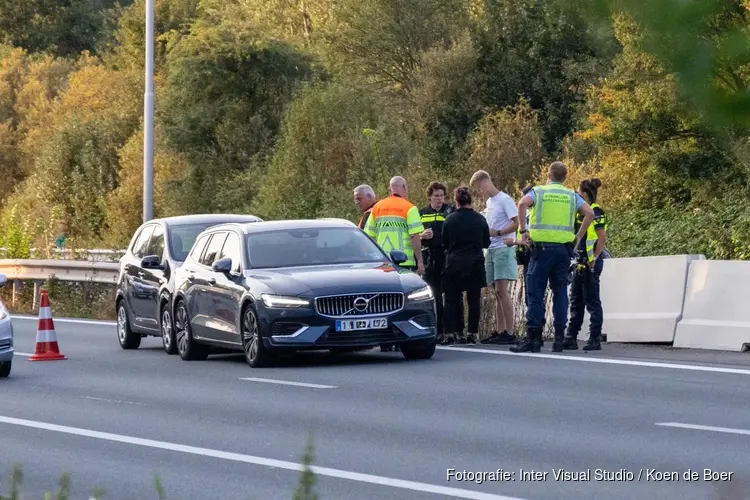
(421, 294)
(282, 301)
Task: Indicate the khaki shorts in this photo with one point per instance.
(501, 264)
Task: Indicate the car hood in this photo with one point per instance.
(337, 279)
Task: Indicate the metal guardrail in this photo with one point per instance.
(38, 271)
(91, 254)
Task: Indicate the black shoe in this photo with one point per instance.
(559, 342)
(471, 339)
(448, 340)
(570, 343)
(489, 339)
(525, 346)
(503, 339)
(593, 345)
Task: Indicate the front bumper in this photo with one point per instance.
(6, 340)
(305, 329)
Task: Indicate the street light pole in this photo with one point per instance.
(148, 118)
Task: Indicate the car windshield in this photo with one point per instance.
(311, 246)
(182, 237)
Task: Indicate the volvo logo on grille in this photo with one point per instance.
(360, 304)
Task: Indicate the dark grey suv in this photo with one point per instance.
(147, 271)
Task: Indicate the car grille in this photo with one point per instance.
(343, 305)
(361, 338)
(284, 328)
(5, 343)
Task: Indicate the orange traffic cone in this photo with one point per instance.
(46, 338)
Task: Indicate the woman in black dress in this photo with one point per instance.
(465, 236)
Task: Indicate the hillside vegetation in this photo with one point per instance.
(280, 107)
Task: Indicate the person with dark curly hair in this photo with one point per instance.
(465, 236)
(433, 252)
(584, 293)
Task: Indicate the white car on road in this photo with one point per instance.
(6, 335)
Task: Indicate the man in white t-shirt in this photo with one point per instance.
(500, 263)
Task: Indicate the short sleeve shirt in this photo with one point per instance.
(500, 210)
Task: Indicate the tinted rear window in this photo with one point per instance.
(182, 238)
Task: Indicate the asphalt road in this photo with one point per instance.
(383, 427)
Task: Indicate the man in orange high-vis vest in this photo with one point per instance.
(395, 224)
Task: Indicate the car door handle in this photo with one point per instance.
(141, 274)
(191, 277)
(127, 267)
(211, 281)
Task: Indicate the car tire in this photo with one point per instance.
(5, 369)
(167, 330)
(125, 335)
(418, 350)
(187, 347)
(256, 353)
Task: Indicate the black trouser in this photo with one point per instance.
(454, 310)
(433, 277)
(584, 294)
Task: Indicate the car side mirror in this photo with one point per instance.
(3, 280)
(398, 257)
(223, 265)
(151, 262)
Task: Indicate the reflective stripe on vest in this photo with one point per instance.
(553, 214)
(436, 217)
(391, 222)
(591, 236)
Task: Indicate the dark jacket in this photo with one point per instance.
(465, 236)
(432, 249)
(365, 216)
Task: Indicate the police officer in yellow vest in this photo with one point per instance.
(584, 292)
(552, 239)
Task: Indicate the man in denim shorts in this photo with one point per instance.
(500, 263)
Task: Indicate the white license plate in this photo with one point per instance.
(361, 324)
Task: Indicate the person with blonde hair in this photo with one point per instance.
(501, 266)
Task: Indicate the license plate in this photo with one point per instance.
(361, 324)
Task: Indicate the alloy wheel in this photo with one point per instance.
(180, 324)
(250, 335)
(166, 328)
(122, 324)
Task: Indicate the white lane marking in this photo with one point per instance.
(114, 401)
(695, 427)
(67, 320)
(610, 361)
(265, 462)
(288, 382)
(23, 354)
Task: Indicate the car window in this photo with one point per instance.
(213, 249)
(195, 254)
(142, 244)
(302, 247)
(156, 244)
(232, 250)
(182, 238)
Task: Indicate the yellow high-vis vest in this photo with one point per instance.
(553, 215)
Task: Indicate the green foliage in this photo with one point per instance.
(705, 43)
(225, 96)
(17, 237)
(334, 138)
(281, 107)
(306, 488)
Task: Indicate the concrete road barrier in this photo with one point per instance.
(643, 297)
(717, 312)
